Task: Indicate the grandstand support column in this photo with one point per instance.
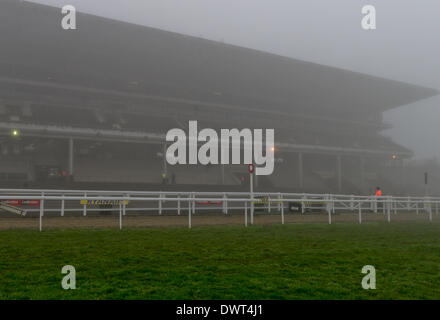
(339, 172)
(301, 170)
(71, 156)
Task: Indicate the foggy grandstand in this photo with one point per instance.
(90, 109)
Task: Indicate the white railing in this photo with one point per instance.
(190, 202)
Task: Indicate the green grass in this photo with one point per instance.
(273, 262)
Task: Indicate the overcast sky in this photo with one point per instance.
(405, 46)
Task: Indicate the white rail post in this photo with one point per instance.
(226, 203)
(282, 210)
(193, 203)
(430, 212)
(178, 204)
(252, 207)
(189, 214)
(120, 208)
(436, 207)
(360, 212)
(160, 203)
(408, 204)
(395, 206)
(417, 207)
(279, 201)
(375, 204)
(329, 210)
(120, 216)
(389, 209)
(303, 204)
(85, 205)
(123, 212)
(245, 214)
(41, 212)
(62, 206)
(352, 203)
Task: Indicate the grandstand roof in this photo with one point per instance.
(115, 56)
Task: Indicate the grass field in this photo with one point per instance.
(296, 261)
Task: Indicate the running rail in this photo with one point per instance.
(224, 201)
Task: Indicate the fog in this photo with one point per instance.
(404, 46)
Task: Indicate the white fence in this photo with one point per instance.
(191, 202)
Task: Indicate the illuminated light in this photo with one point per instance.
(394, 157)
(272, 149)
(15, 133)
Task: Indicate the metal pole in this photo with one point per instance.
(62, 206)
(252, 196)
(178, 205)
(389, 209)
(85, 205)
(189, 214)
(160, 203)
(360, 212)
(41, 213)
(120, 216)
(329, 210)
(245, 214)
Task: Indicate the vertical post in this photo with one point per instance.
(120, 216)
(189, 214)
(430, 212)
(41, 213)
(352, 203)
(279, 201)
(160, 203)
(329, 216)
(85, 205)
(360, 212)
(389, 209)
(303, 204)
(408, 204)
(251, 181)
(268, 203)
(62, 205)
(245, 214)
(300, 170)
(375, 200)
(123, 206)
(178, 204)
(282, 210)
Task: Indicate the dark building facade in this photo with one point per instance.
(90, 108)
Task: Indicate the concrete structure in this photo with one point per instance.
(93, 106)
